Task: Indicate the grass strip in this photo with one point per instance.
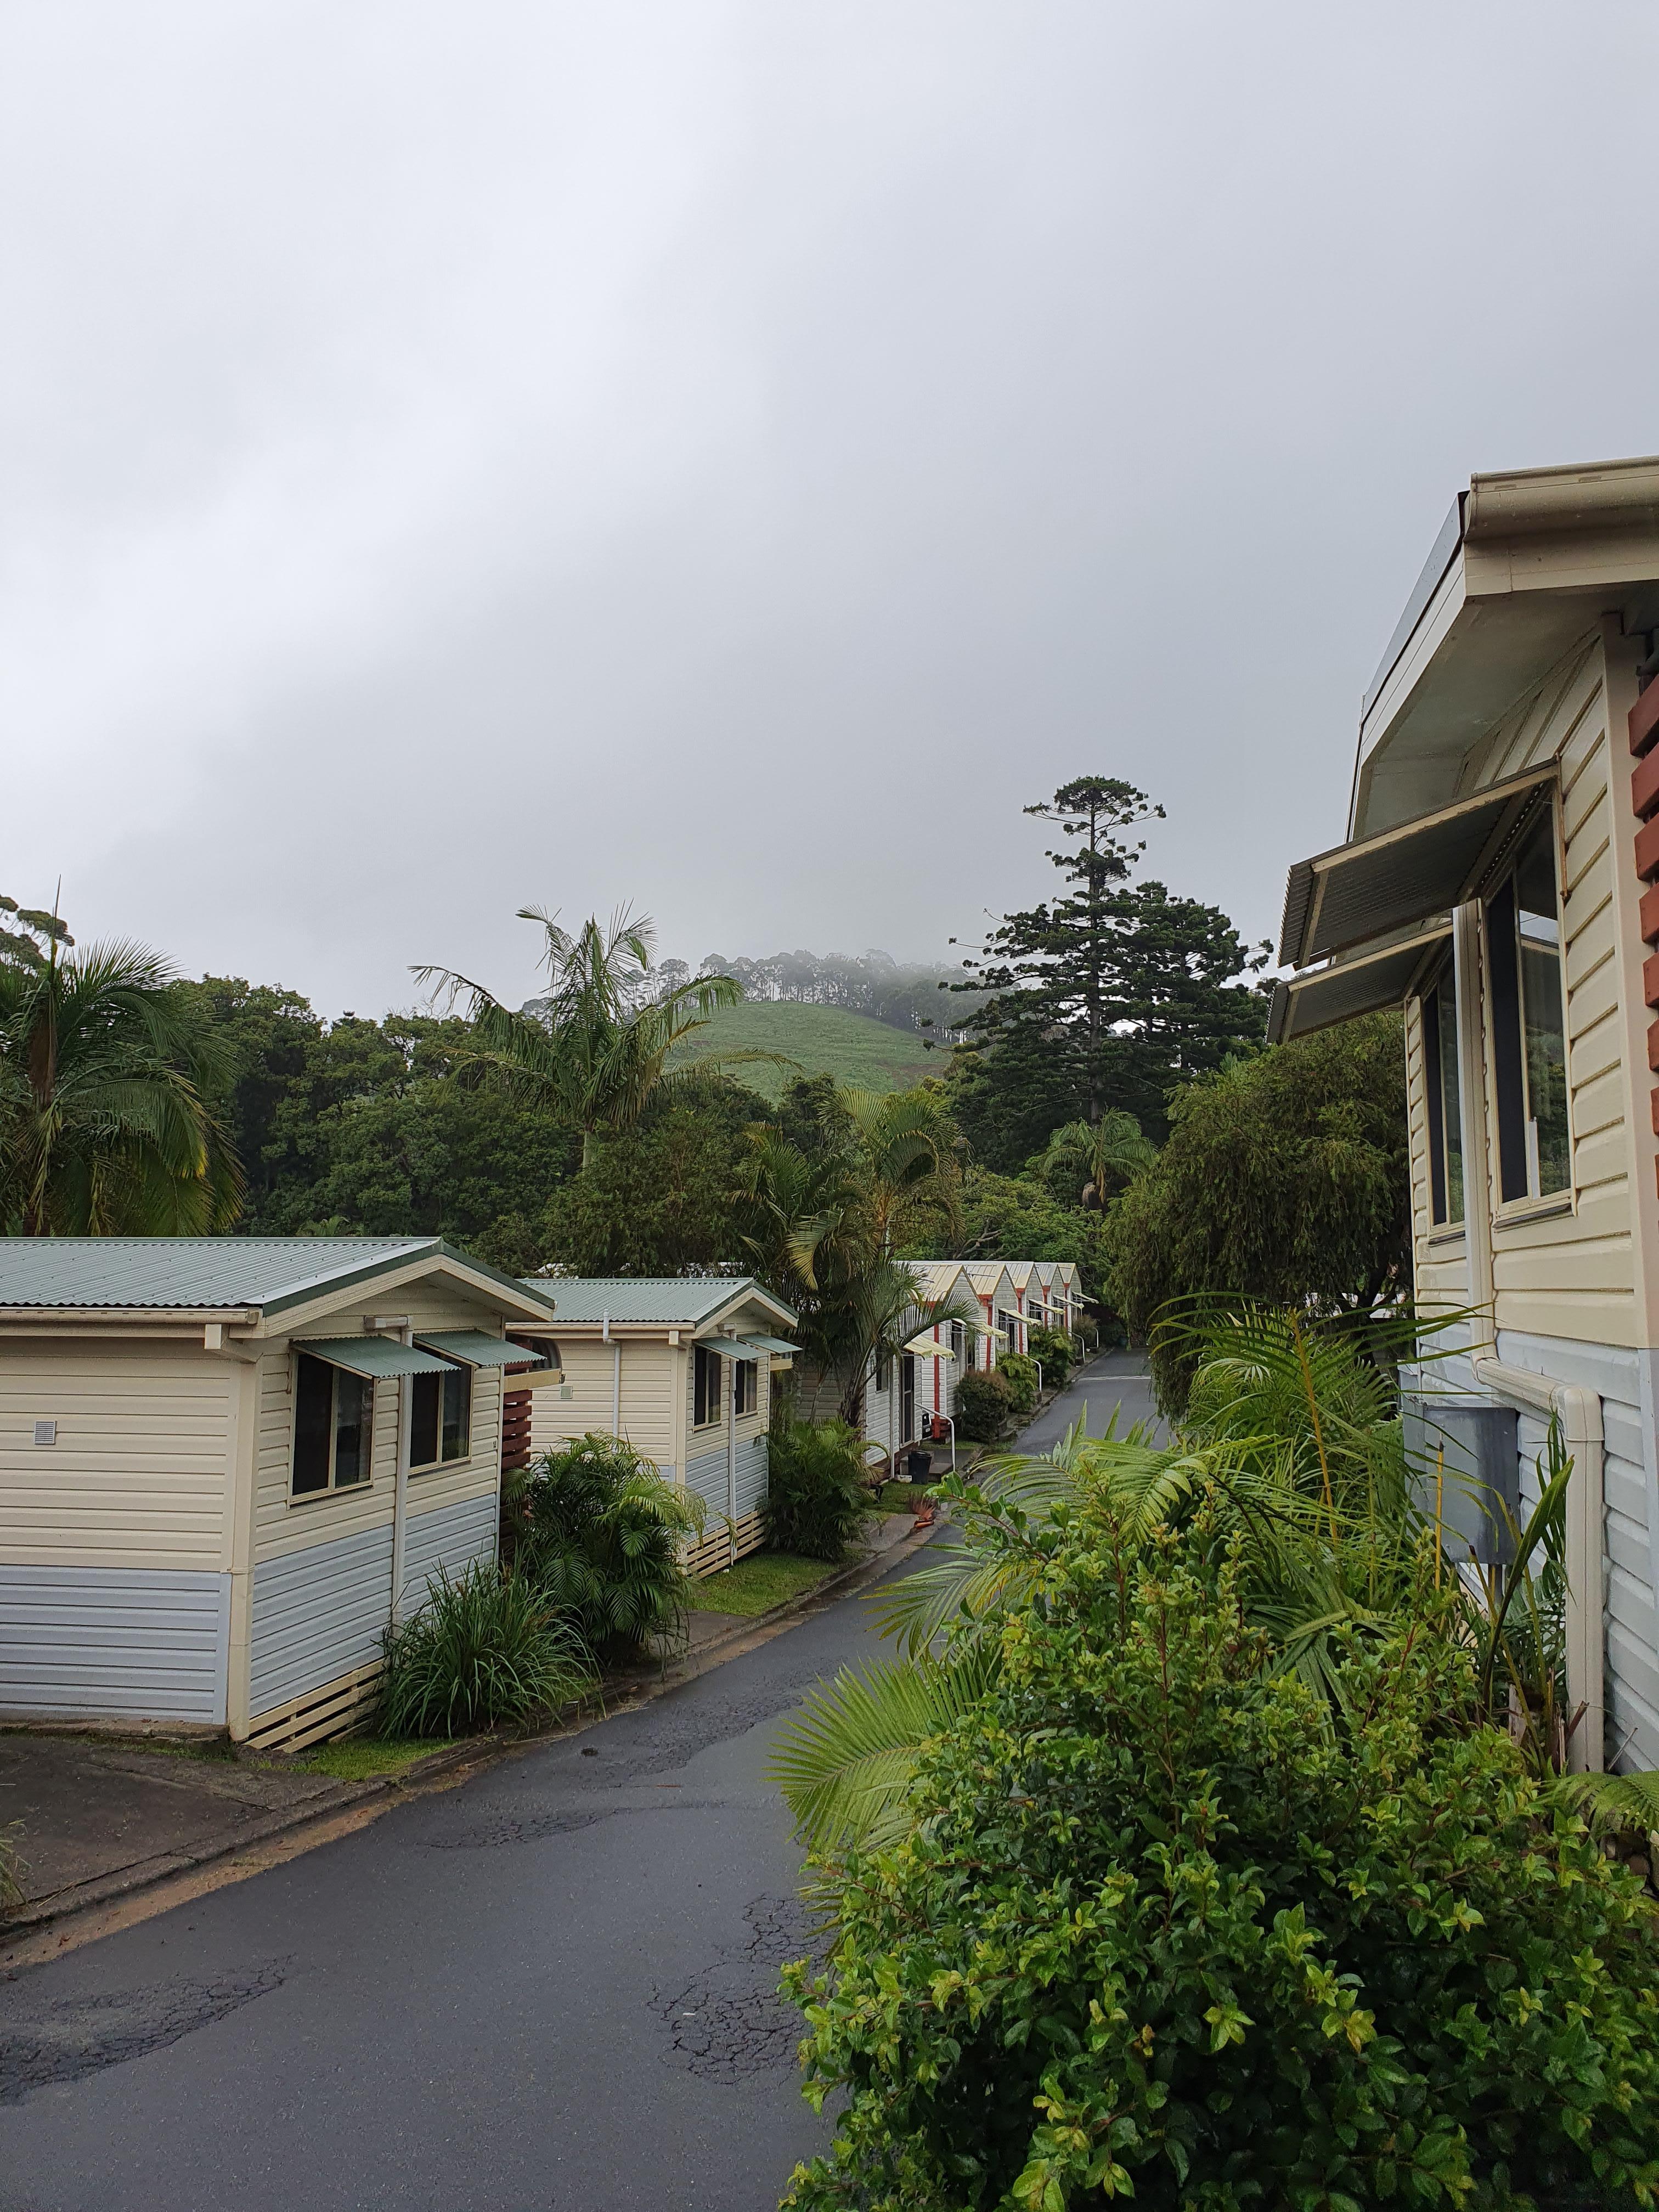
(760, 1581)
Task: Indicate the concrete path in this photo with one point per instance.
(1116, 1379)
(551, 1986)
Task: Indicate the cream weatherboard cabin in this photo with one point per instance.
(226, 1463)
(680, 1367)
(1500, 878)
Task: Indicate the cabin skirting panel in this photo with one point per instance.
(134, 1643)
(1625, 1382)
(447, 1540)
(318, 1616)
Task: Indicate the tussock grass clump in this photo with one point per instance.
(485, 1651)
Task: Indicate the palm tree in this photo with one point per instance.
(104, 1127)
(1108, 1153)
(827, 1230)
(593, 1049)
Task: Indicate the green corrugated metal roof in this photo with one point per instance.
(156, 1273)
(672, 1301)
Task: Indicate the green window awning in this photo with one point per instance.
(771, 1343)
(373, 1355)
(479, 1349)
(1348, 988)
(732, 1347)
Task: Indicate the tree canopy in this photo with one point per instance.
(1108, 995)
(1286, 1176)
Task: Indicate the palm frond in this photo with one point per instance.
(845, 1761)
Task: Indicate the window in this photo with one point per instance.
(332, 1412)
(1444, 1099)
(958, 1340)
(746, 1386)
(1529, 1059)
(440, 1427)
(883, 1365)
(704, 1386)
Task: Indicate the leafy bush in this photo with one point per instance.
(485, 1651)
(1056, 1351)
(983, 1405)
(1157, 1928)
(603, 1539)
(816, 1498)
(1020, 1374)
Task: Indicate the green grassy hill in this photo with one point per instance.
(823, 1040)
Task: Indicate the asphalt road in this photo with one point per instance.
(552, 1986)
(1116, 1380)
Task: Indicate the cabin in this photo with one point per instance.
(228, 1463)
(681, 1367)
(1499, 881)
(1005, 1326)
(903, 1396)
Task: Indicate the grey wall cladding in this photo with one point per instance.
(318, 1614)
(448, 1538)
(149, 1641)
(707, 1475)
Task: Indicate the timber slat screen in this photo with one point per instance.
(515, 1431)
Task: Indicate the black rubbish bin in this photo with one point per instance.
(917, 1466)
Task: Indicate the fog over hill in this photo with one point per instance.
(906, 996)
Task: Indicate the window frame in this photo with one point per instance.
(1519, 1178)
(745, 1388)
(457, 1367)
(332, 1488)
(702, 1359)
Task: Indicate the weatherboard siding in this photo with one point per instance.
(132, 1643)
(446, 1540)
(137, 1476)
(319, 1613)
(1572, 1275)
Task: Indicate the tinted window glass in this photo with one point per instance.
(353, 1396)
(423, 1424)
(456, 1440)
(313, 1419)
(1539, 924)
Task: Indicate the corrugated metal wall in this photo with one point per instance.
(449, 1539)
(145, 1642)
(318, 1614)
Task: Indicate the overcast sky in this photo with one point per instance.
(730, 458)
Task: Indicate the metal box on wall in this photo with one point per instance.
(1471, 1455)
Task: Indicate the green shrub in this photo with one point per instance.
(817, 1499)
(1157, 1929)
(603, 1539)
(1056, 1351)
(485, 1651)
(983, 1405)
(1020, 1374)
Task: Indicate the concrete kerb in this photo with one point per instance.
(617, 1694)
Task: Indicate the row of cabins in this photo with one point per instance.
(226, 1464)
(908, 1398)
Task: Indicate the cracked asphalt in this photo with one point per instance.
(552, 1986)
